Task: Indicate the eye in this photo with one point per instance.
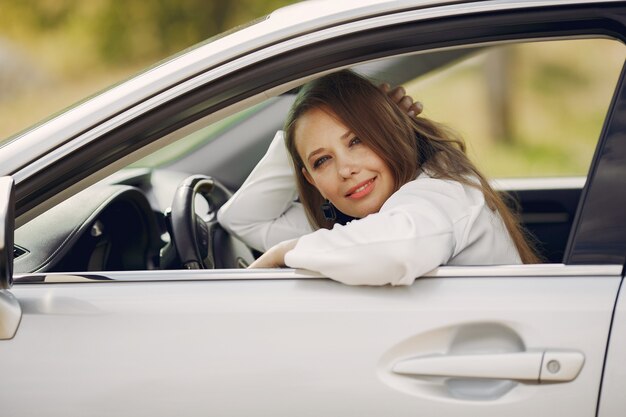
(355, 141)
(319, 161)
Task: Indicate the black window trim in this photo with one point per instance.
(599, 228)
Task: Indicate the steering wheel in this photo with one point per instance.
(193, 233)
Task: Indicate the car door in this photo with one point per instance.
(477, 341)
(464, 341)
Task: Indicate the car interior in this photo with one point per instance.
(125, 221)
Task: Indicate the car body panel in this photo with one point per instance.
(240, 347)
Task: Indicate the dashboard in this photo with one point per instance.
(118, 224)
(106, 227)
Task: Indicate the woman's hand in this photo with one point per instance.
(275, 256)
(398, 96)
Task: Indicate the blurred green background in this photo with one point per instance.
(527, 109)
(56, 52)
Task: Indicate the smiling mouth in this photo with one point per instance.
(362, 189)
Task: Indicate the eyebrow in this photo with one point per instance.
(315, 152)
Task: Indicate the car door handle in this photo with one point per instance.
(533, 366)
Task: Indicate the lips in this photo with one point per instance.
(362, 189)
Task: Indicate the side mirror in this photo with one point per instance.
(7, 229)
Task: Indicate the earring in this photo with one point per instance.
(329, 211)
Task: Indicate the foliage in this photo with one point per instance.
(56, 52)
(558, 95)
(108, 33)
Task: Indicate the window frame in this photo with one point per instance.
(474, 28)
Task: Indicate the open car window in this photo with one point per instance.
(525, 110)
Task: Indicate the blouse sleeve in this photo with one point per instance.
(263, 212)
(415, 231)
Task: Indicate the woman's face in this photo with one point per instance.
(342, 168)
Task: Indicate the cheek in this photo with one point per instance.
(378, 164)
(321, 184)
(390, 179)
(325, 185)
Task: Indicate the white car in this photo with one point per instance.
(98, 315)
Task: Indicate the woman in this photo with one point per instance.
(416, 199)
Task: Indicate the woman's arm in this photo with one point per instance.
(263, 212)
(427, 223)
(393, 246)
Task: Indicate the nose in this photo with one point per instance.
(347, 167)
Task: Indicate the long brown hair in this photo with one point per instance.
(408, 145)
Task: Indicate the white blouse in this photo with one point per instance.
(426, 223)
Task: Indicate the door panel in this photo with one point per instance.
(297, 347)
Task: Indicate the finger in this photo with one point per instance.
(261, 262)
(416, 108)
(396, 94)
(384, 87)
(253, 265)
(406, 103)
